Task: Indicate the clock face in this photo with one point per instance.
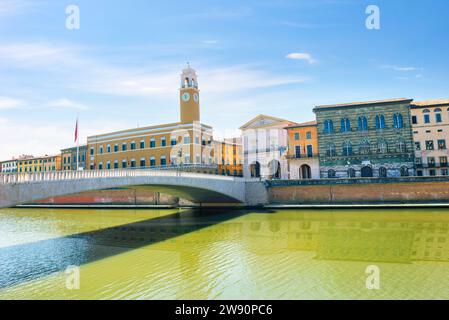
(186, 96)
(196, 97)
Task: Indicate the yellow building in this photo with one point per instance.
(40, 164)
(430, 123)
(228, 154)
(303, 159)
(187, 144)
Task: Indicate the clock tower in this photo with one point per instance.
(189, 96)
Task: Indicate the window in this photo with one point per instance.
(197, 140)
(309, 135)
(401, 146)
(101, 149)
(133, 163)
(298, 151)
(310, 151)
(363, 124)
(431, 161)
(92, 151)
(331, 150)
(382, 172)
(173, 141)
(351, 173)
(186, 139)
(438, 117)
(143, 163)
(345, 125)
(296, 136)
(404, 171)
(365, 147)
(163, 142)
(152, 162)
(116, 148)
(417, 146)
(442, 144)
(163, 161)
(124, 147)
(116, 164)
(108, 165)
(152, 143)
(331, 173)
(142, 144)
(426, 118)
(133, 145)
(124, 163)
(108, 148)
(429, 145)
(100, 166)
(328, 126)
(444, 172)
(414, 119)
(443, 161)
(380, 122)
(347, 149)
(187, 159)
(398, 121)
(432, 173)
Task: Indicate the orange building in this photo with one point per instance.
(302, 155)
(228, 156)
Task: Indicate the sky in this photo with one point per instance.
(121, 68)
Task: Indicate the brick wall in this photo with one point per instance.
(412, 192)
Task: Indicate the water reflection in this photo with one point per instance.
(238, 254)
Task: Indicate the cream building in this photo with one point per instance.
(430, 123)
(187, 144)
(265, 145)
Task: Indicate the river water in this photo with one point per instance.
(224, 254)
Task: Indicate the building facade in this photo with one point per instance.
(8, 166)
(302, 155)
(40, 164)
(430, 121)
(228, 155)
(185, 144)
(366, 139)
(264, 147)
(69, 162)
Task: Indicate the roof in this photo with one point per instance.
(364, 103)
(430, 103)
(304, 124)
(264, 117)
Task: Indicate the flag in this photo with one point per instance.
(76, 130)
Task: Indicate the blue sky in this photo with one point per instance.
(121, 69)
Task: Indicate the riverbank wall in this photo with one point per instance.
(359, 191)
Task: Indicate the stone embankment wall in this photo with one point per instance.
(361, 191)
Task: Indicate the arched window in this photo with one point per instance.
(401, 147)
(347, 148)
(345, 125)
(437, 110)
(382, 146)
(365, 147)
(351, 173)
(328, 126)
(331, 173)
(398, 121)
(382, 172)
(404, 171)
(426, 111)
(380, 121)
(363, 124)
(331, 150)
(438, 117)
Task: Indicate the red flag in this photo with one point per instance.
(76, 130)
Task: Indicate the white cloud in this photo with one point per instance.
(10, 103)
(66, 104)
(401, 68)
(210, 41)
(301, 56)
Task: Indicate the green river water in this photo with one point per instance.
(224, 254)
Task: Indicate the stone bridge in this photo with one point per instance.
(21, 188)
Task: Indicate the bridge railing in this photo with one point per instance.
(101, 174)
